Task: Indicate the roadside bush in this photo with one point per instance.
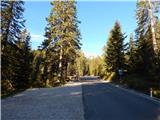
(6, 87)
(137, 82)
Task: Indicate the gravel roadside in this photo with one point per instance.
(59, 103)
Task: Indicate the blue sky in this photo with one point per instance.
(97, 19)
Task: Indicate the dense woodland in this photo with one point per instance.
(59, 58)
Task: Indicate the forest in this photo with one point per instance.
(59, 58)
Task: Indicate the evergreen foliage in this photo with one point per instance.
(62, 41)
(114, 50)
(59, 58)
(22, 62)
(12, 23)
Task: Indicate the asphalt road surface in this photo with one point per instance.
(104, 101)
(88, 99)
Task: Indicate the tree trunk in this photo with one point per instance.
(61, 65)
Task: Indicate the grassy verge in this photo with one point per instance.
(139, 83)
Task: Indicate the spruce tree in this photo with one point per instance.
(114, 50)
(12, 23)
(131, 54)
(158, 34)
(157, 66)
(37, 67)
(144, 35)
(158, 39)
(23, 62)
(62, 37)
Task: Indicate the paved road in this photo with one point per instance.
(90, 99)
(103, 101)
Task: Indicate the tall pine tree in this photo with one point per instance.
(131, 54)
(23, 62)
(12, 23)
(62, 38)
(114, 50)
(144, 35)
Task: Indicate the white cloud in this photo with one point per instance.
(37, 38)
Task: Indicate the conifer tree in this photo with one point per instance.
(114, 50)
(158, 39)
(144, 35)
(158, 35)
(37, 66)
(12, 20)
(132, 58)
(62, 37)
(23, 61)
(157, 67)
(12, 23)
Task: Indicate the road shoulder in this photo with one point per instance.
(59, 103)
